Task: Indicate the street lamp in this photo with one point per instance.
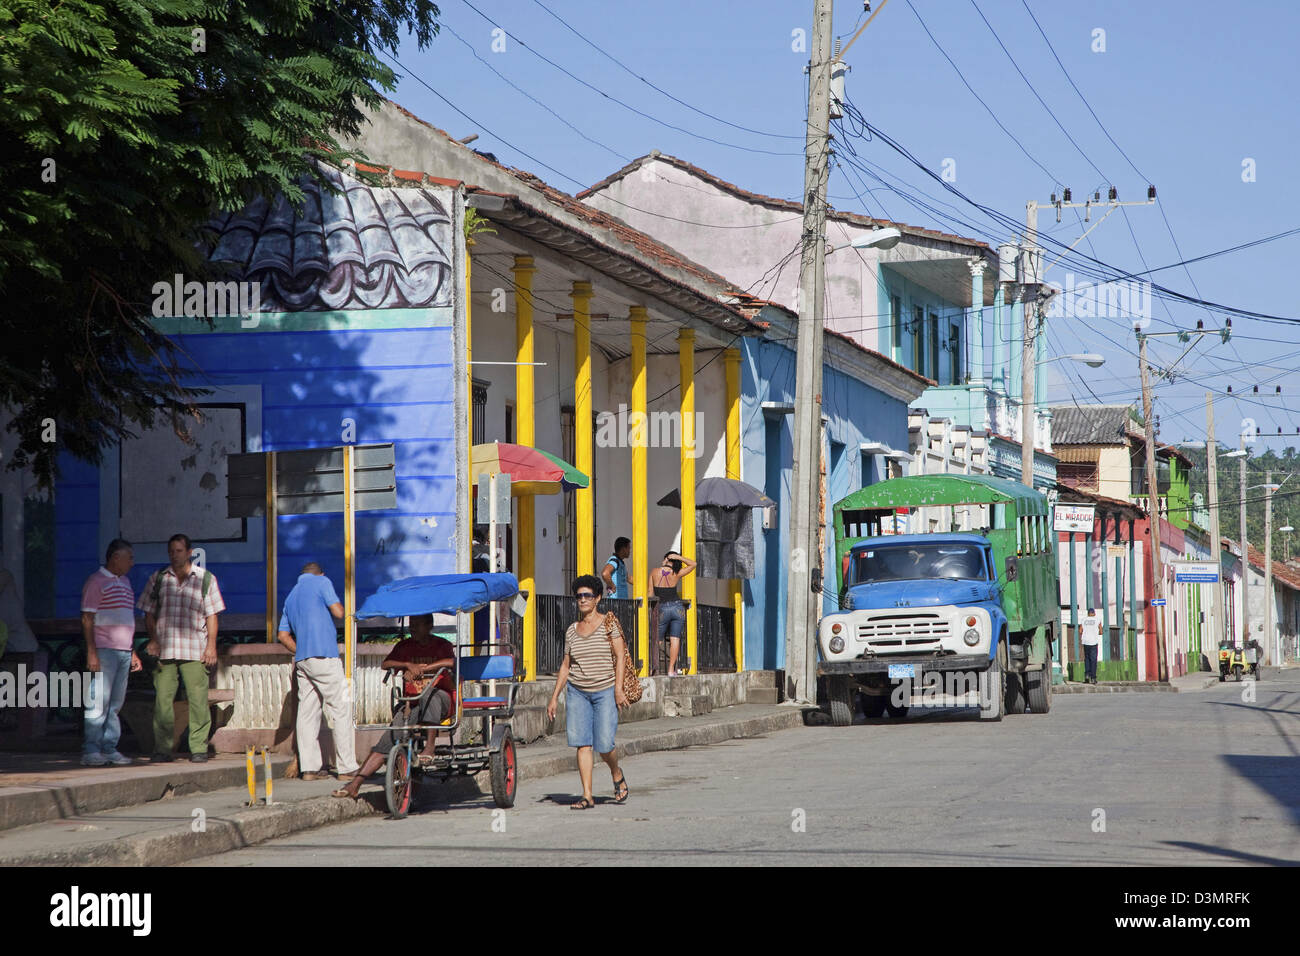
(877, 238)
(1090, 359)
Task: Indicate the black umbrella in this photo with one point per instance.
(720, 493)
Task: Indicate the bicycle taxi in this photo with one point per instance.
(493, 748)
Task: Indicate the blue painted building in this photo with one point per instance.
(354, 343)
(864, 405)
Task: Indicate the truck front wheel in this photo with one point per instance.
(1015, 695)
(992, 687)
(839, 695)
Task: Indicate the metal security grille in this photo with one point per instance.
(555, 612)
(717, 638)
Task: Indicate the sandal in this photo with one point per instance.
(344, 792)
(620, 789)
(583, 804)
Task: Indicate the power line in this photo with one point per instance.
(597, 90)
(619, 63)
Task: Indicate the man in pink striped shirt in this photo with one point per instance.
(108, 625)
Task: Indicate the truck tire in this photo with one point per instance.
(992, 688)
(839, 695)
(1038, 688)
(873, 705)
(896, 711)
(1014, 699)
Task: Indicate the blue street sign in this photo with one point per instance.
(1157, 602)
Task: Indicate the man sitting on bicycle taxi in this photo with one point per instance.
(418, 657)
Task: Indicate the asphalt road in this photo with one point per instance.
(1136, 778)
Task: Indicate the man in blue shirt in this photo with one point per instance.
(307, 629)
(614, 573)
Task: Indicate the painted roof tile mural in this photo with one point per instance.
(366, 248)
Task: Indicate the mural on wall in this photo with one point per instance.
(368, 247)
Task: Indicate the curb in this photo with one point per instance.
(252, 826)
(18, 809)
(1116, 687)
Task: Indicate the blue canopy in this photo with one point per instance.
(438, 594)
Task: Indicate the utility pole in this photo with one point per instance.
(1268, 565)
(1033, 277)
(1218, 610)
(1245, 556)
(804, 577)
(1153, 507)
(1028, 347)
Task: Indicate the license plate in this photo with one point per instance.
(898, 671)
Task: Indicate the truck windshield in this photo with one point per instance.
(913, 562)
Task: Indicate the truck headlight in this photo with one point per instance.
(836, 644)
(971, 637)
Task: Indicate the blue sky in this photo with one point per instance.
(1188, 90)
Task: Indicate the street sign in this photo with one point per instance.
(1072, 517)
(1157, 602)
(1196, 572)
(310, 481)
(483, 501)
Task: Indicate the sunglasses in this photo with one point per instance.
(585, 596)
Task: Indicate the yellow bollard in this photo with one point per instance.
(266, 763)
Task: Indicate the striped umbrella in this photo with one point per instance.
(531, 472)
(572, 477)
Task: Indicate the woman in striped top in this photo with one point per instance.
(592, 669)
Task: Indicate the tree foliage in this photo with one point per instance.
(124, 125)
(1286, 500)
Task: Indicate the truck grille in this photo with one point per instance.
(903, 631)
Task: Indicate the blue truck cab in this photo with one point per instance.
(950, 611)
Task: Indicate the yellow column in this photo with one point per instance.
(640, 488)
(686, 371)
(584, 497)
(731, 365)
(526, 435)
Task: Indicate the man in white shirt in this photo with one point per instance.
(1091, 637)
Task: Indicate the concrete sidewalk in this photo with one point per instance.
(198, 812)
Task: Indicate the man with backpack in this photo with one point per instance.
(180, 605)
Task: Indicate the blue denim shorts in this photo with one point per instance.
(590, 718)
(672, 619)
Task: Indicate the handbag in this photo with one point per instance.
(631, 685)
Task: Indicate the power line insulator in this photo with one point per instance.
(1114, 193)
(1151, 192)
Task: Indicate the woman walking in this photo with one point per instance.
(672, 611)
(592, 669)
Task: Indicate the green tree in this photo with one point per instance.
(124, 125)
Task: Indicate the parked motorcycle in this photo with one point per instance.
(1232, 660)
